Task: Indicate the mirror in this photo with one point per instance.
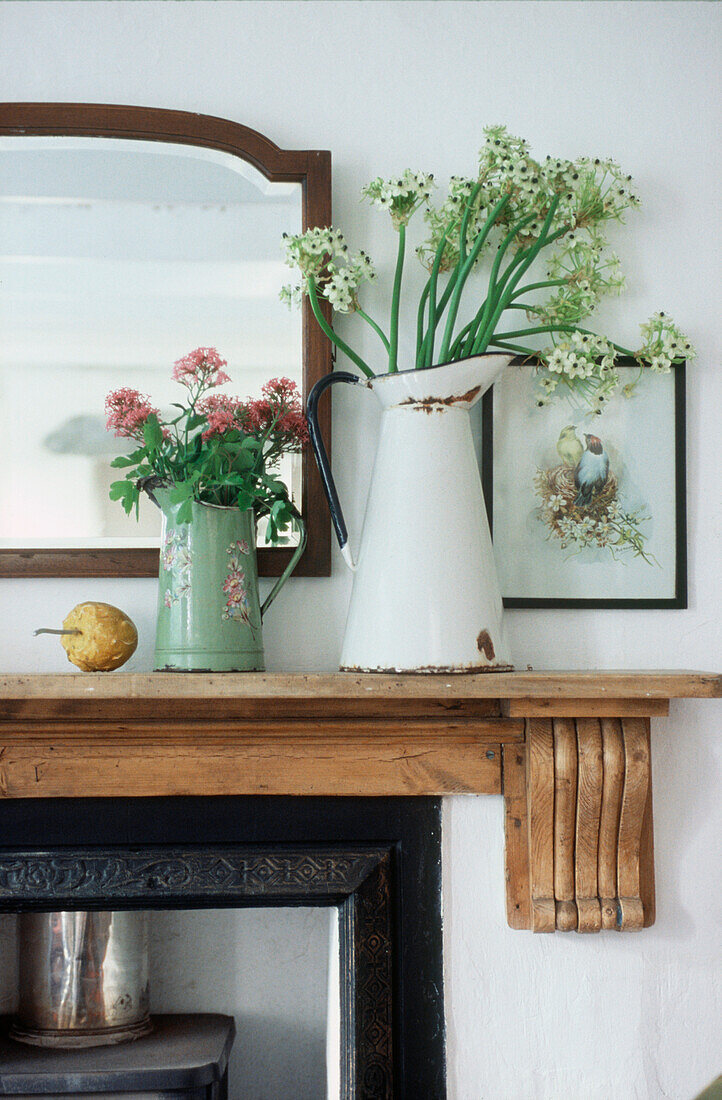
(118, 255)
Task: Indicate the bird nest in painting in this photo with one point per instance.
(559, 482)
(601, 522)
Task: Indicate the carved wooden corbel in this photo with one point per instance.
(579, 847)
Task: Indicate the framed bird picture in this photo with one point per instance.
(587, 508)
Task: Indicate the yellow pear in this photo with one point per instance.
(99, 638)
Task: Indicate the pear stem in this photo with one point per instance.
(47, 630)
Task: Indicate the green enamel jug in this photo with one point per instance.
(210, 616)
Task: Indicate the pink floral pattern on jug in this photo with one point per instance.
(234, 586)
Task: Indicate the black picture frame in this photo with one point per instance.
(680, 598)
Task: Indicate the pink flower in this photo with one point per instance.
(203, 366)
(127, 411)
(280, 389)
(294, 424)
(280, 406)
(221, 413)
(259, 415)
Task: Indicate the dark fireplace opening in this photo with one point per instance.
(377, 860)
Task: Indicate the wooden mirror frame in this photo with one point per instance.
(310, 168)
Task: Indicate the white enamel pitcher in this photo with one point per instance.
(425, 594)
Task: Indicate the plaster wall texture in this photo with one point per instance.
(388, 85)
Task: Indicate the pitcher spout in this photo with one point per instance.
(447, 386)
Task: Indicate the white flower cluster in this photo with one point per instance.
(585, 531)
(506, 168)
(581, 356)
(401, 196)
(311, 251)
(587, 275)
(663, 344)
(446, 221)
(341, 287)
(581, 364)
(588, 193)
(316, 254)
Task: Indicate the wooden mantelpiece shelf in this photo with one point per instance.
(570, 751)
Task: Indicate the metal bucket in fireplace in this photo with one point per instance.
(83, 979)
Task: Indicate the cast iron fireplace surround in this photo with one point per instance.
(378, 859)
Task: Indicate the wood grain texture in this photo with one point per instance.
(540, 813)
(333, 766)
(612, 787)
(646, 855)
(634, 803)
(589, 801)
(200, 733)
(68, 694)
(516, 846)
(585, 708)
(588, 825)
(565, 805)
(352, 734)
(309, 167)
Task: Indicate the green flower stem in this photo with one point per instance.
(377, 328)
(493, 293)
(545, 238)
(494, 288)
(443, 302)
(472, 329)
(435, 313)
(420, 323)
(516, 348)
(537, 286)
(324, 325)
(395, 300)
(465, 222)
(463, 270)
(429, 350)
(457, 346)
(559, 328)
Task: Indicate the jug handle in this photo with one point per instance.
(324, 466)
(301, 528)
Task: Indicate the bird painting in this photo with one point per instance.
(591, 472)
(569, 448)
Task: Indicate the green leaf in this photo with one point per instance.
(242, 460)
(126, 492)
(119, 489)
(185, 512)
(181, 492)
(244, 500)
(250, 443)
(152, 433)
(123, 460)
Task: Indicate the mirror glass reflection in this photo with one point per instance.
(118, 257)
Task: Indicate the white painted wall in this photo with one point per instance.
(385, 85)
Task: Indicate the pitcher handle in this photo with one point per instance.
(324, 466)
(301, 528)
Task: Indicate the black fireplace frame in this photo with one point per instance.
(377, 859)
